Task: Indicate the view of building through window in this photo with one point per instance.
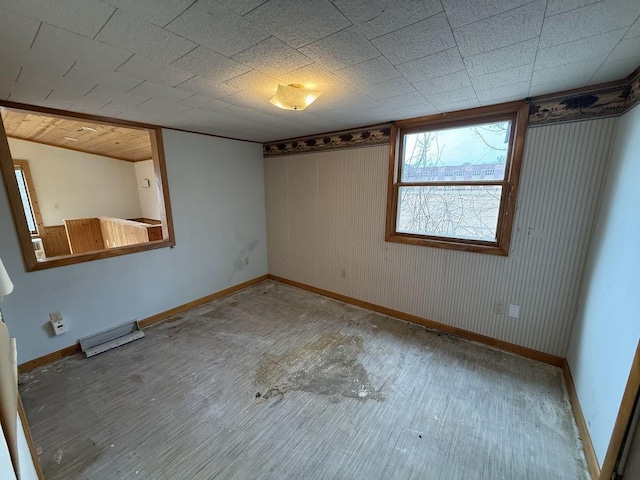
(455, 180)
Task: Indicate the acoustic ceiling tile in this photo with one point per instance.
(342, 49)
(145, 69)
(389, 88)
(158, 12)
(452, 96)
(298, 26)
(204, 103)
(628, 48)
(253, 80)
(344, 100)
(16, 31)
(36, 62)
(556, 86)
(210, 64)
(507, 28)
(461, 105)
(404, 100)
(58, 82)
(451, 81)
(577, 50)
(436, 65)
(429, 36)
(464, 12)
(521, 53)
(313, 76)
(587, 21)
(207, 87)
(505, 93)
(161, 107)
(99, 76)
(501, 79)
(8, 74)
(85, 17)
(634, 30)
(272, 57)
(418, 110)
(555, 7)
(79, 100)
(130, 32)
(372, 71)
(568, 71)
(113, 109)
(150, 89)
(56, 41)
(379, 17)
(214, 26)
(615, 70)
(241, 7)
(116, 96)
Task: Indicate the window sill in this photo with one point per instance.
(450, 244)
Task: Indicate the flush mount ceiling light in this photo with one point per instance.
(293, 97)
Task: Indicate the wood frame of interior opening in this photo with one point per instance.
(13, 194)
(517, 113)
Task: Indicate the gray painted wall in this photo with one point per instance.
(217, 195)
(607, 325)
(326, 213)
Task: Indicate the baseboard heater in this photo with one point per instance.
(111, 338)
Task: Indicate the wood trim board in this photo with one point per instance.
(145, 322)
(587, 444)
(623, 420)
(459, 332)
(27, 434)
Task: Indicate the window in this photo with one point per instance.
(474, 215)
(27, 196)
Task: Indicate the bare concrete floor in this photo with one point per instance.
(278, 383)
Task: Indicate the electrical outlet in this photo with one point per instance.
(499, 308)
(514, 311)
(58, 323)
(246, 260)
(343, 273)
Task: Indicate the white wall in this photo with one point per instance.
(607, 326)
(217, 192)
(149, 200)
(326, 212)
(72, 184)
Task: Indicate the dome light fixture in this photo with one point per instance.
(293, 97)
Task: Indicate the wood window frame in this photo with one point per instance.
(517, 113)
(15, 203)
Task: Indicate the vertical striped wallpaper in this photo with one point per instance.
(326, 215)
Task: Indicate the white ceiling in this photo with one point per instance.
(211, 66)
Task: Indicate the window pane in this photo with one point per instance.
(26, 204)
(477, 152)
(466, 211)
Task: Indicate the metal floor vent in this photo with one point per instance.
(111, 338)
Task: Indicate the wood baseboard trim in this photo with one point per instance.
(458, 332)
(158, 317)
(49, 358)
(145, 322)
(589, 451)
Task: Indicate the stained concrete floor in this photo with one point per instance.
(278, 383)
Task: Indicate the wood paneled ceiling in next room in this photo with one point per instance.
(123, 143)
(211, 65)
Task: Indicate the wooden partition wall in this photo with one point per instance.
(91, 234)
